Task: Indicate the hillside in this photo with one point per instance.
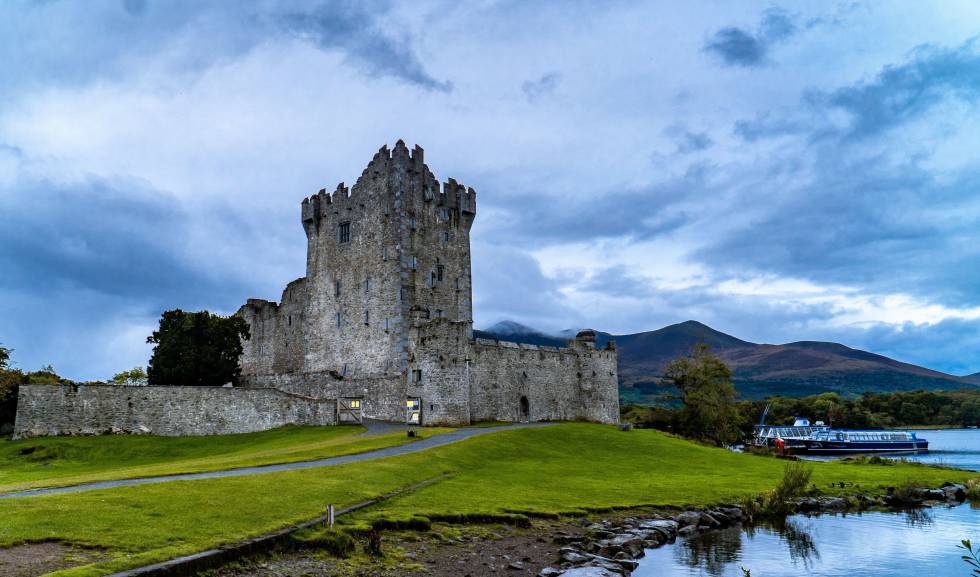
(759, 370)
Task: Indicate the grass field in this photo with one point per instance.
(58, 461)
(565, 468)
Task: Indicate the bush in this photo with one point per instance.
(336, 542)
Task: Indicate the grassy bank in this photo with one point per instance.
(58, 461)
(566, 468)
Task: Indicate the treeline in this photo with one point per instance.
(869, 411)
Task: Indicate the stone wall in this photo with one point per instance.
(170, 411)
(578, 382)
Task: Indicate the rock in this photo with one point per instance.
(932, 494)
(629, 543)
(688, 518)
(665, 526)
(410, 555)
(687, 531)
(590, 572)
(609, 565)
(734, 513)
(833, 504)
(516, 565)
(572, 555)
(954, 492)
(709, 521)
(549, 572)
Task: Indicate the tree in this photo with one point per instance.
(706, 387)
(196, 348)
(4, 357)
(134, 376)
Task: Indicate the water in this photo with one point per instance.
(951, 447)
(919, 543)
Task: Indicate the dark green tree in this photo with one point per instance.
(4, 357)
(705, 383)
(196, 348)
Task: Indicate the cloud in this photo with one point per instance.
(688, 141)
(546, 84)
(736, 46)
(354, 27)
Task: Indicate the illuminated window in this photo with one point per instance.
(355, 404)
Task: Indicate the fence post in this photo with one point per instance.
(330, 515)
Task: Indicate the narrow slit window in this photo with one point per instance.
(338, 319)
(417, 375)
(367, 284)
(336, 288)
(367, 317)
(440, 272)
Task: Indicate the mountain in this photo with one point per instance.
(518, 333)
(758, 370)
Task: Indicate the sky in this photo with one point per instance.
(780, 172)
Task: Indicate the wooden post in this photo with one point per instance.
(330, 515)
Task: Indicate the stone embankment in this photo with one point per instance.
(609, 549)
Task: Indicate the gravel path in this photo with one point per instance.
(373, 428)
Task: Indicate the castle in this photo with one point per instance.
(383, 318)
(380, 327)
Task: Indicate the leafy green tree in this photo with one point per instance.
(134, 376)
(706, 388)
(4, 357)
(196, 348)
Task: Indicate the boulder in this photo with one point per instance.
(573, 555)
(954, 492)
(629, 543)
(549, 572)
(709, 521)
(688, 518)
(833, 504)
(687, 531)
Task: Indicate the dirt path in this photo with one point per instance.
(424, 444)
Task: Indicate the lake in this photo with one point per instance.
(871, 544)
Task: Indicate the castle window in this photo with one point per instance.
(384, 253)
(414, 223)
(432, 280)
(415, 262)
(338, 319)
(289, 320)
(367, 317)
(440, 272)
(439, 314)
(417, 375)
(343, 232)
(367, 284)
(387, 323)
(336, 289)
(443, 213)
(446, 237)
(456, 283)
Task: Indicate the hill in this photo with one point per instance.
(759, 370)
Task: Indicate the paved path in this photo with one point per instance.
(415, 447)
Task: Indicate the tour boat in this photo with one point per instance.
(839, 441)
(819, 439)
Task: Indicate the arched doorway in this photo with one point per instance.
(525, 414)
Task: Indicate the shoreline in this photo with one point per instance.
(598, 545)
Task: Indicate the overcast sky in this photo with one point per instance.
(780, 173)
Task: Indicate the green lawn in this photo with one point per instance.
(58, 461)
(563, 468)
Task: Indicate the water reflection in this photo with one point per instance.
(715, 551)
(870, 544)
(918, 518)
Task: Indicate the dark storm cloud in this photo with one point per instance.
(736, 46)
(881, 220)
(119, 239)
(108, 39)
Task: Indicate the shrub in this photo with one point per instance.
(336, 542)
(973, 489)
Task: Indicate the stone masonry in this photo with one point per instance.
(384, 317)
(380, 327)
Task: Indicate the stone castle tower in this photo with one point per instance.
(384, 315)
